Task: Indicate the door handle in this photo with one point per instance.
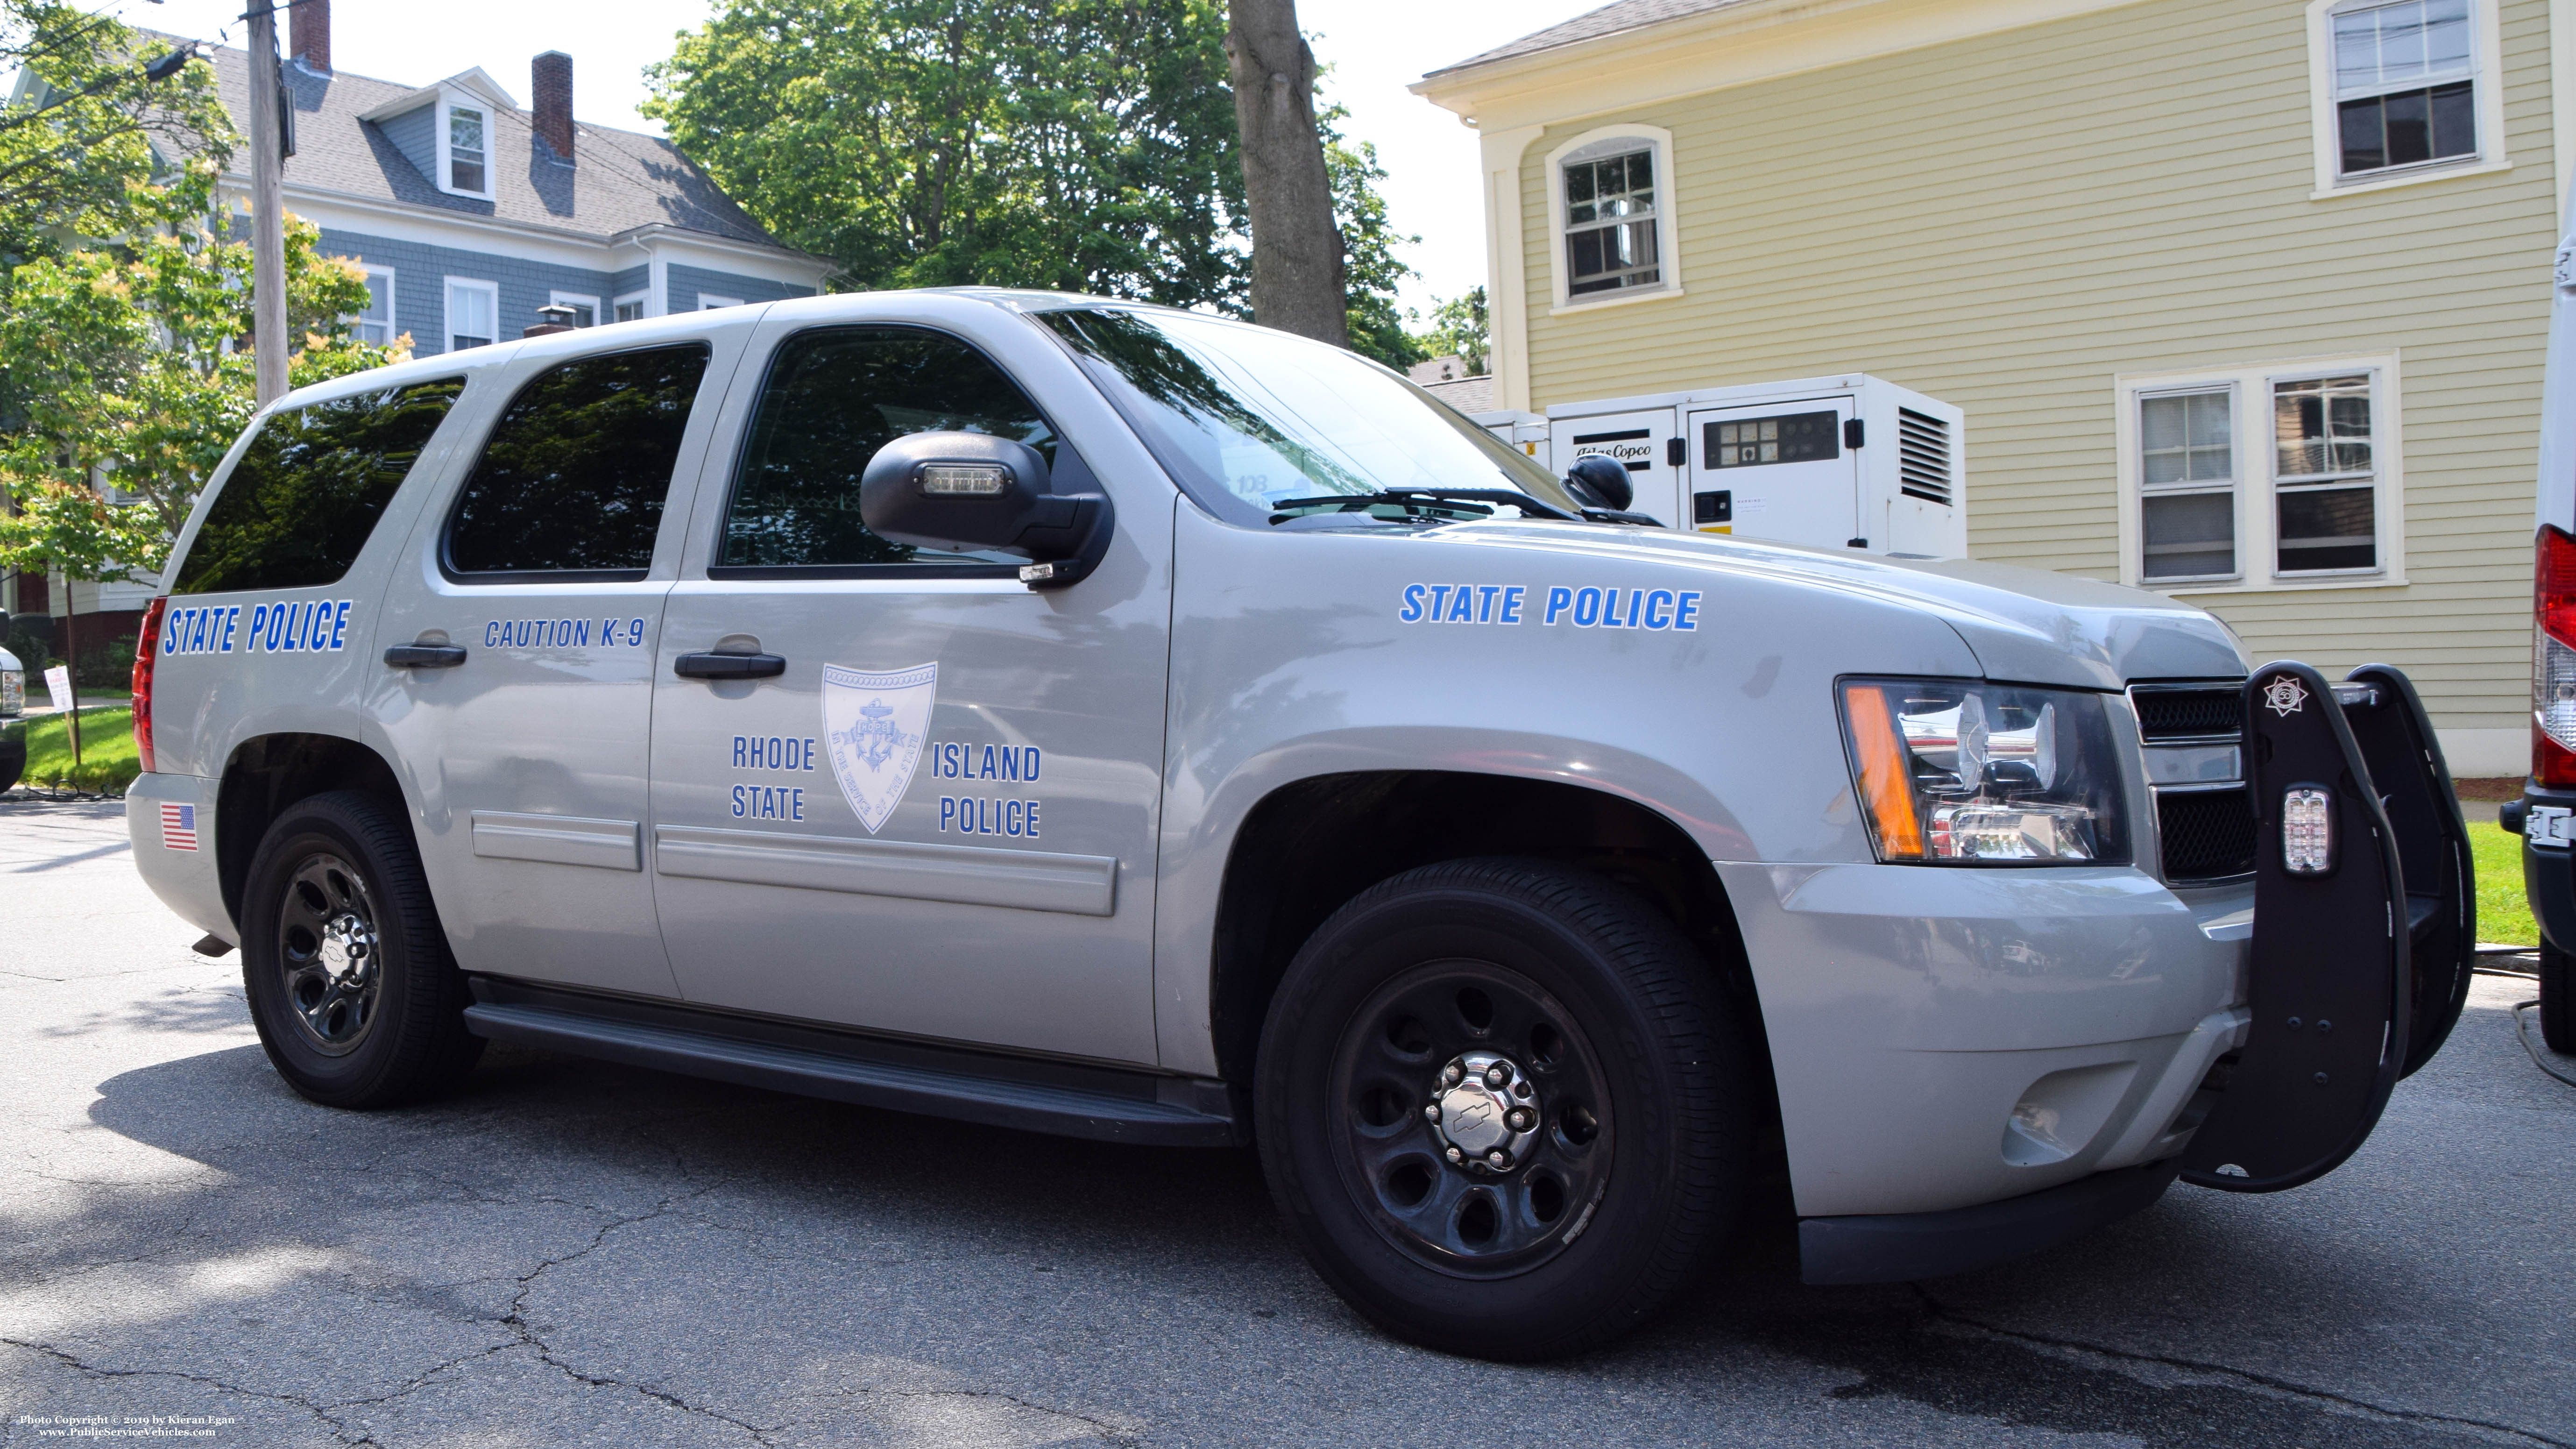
(729, 666)
(425, 656)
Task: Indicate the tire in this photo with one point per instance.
(2557, 1000)
(346, 967)
(13, 755)
(1597, 1014)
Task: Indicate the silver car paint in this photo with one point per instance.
(1907, 1008)
(913, 928)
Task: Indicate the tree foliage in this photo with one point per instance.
(1082, 145)
(1460, 325)
(77, 151)
(124, 300)
(1075, 144)
(124, 366)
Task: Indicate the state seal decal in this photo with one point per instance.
(874, 726)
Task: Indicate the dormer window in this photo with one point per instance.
(466, 171)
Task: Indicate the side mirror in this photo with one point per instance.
(1601, 481)
(974, 491)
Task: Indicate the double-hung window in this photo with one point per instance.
(2262, 477)
(626, 308)
(467, 144)
(473, 313)
(2403, 89)
(2325, 479)
(2187, 485)
(1611, 193)
(376, 324)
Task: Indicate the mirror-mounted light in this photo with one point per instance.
(963, 480)
(961, 492)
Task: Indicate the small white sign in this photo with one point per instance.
(58, 683)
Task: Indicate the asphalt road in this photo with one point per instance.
(572, 1253)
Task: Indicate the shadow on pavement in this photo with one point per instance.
(951, 1220)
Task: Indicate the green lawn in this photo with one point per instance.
(108, 762)
(2504, 914)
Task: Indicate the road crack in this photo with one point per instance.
(2248, 1379)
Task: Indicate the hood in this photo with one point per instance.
(2025, 625)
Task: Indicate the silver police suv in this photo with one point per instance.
(1099, 719)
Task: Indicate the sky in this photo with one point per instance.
(1373, 49)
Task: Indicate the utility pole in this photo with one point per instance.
(267, 207)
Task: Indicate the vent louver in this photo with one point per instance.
(1923, 456)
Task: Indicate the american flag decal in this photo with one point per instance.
(178, 826)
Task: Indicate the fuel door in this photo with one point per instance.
(2330, 990)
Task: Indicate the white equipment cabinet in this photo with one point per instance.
(1835, 462)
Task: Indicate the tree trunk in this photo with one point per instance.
(1296, 250)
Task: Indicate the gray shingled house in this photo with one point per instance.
(470, 212)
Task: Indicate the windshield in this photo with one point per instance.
(1249, 419)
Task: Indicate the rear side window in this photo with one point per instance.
(309, 489)
(573, 478)
(833, 397)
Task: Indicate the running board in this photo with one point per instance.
(1066, 1099)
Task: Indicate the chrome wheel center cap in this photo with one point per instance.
(348, 949)
(1484, 1112)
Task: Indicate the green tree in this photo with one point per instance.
(93, 147)
(1459, 325)
(1371, 271)
(125, 364)
(1075, 144)
(1084, 145)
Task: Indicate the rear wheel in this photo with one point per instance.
(1502, 1108)
(344, 962)
(2557, 999)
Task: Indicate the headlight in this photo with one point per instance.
(1953, 772)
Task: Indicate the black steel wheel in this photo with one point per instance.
(345, 965)
(1504, 1108)
(1475, 1118)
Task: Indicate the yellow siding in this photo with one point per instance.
(2009, 223)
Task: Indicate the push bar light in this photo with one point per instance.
(964, 480)
(2307, 830)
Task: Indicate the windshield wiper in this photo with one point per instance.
(1410, 498)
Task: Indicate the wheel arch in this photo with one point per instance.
(1312, 844)
(268, 773)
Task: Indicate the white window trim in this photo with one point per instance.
(643, 300)
(579, 299)
(709, 301)
(2250, 437)
(393, 313)
(447, 323)
(2326, 131)
(1668, 248)
(447, 102)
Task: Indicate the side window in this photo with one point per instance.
(573, 478)
(833, 397)
(309, 489)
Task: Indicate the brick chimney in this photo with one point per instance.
(550, 78)
(308, 30)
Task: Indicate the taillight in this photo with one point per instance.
(147, 647)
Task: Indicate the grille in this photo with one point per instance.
(2208, 834)
(1923, 456)
(2171, 714)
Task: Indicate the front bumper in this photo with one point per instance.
(1911, 1010)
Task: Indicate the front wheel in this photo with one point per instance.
(345, 964)
(1503, 1108)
